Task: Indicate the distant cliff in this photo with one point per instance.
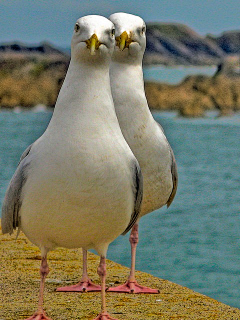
(167, 43)
(19, 48)
(173, 44)
(33, 74)
(229, 41)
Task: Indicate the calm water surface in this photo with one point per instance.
(196, 241)
(174, 74)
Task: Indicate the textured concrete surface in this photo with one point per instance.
(19, 285)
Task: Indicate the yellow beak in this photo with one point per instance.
(93, 44)
(123, 41)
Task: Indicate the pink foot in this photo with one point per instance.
(39, 316)
(132, 287)
(84, 286)
(104, 316)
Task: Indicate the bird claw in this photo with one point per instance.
(104, 316)
(39, 316)
(84, 286)
(132, 287)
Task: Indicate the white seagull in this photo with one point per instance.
(143, 134)
(79, 184)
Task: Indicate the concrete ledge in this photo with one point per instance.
(19, 284)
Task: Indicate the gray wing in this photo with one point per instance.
(25, 153)
(174, 178)
(138, 192)
(12, 202)
(173, 171)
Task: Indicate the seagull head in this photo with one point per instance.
(93, 38)
(130, 34)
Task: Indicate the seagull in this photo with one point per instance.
(142, 133)
(79, 185)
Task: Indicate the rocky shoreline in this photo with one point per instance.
(195, 95)
(33, 79)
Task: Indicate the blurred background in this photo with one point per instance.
(192, 80)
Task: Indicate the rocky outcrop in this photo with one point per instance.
(27, 81)
(31, 75)
(229, 67)
(19, 278)
(195, 95)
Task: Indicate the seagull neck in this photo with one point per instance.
(85, 100)
(82, 76)
(128, 90)
(86, 88)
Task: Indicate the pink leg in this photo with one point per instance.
(85, 285)
(40, 314)
(102, 274)
(131, 286)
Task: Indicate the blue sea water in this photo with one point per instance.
(196, 241)
(174, 74)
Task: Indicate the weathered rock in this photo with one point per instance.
(195, 95)
(19, 287)
(28, 81)
(229, 67)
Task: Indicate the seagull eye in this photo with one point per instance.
(113, 32)
(143, 29)
(77, 27)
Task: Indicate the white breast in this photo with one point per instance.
(80, 176)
